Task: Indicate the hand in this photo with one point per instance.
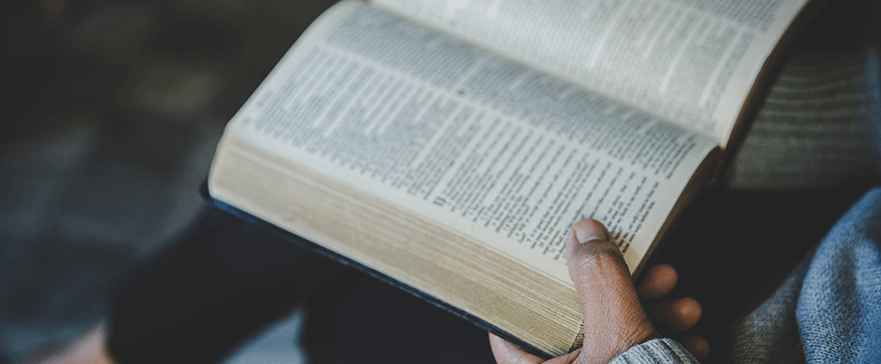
(614, 317)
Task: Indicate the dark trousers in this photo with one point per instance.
(213, 288)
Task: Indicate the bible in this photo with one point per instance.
(447, 146)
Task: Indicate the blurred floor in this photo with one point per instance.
(111, 114)
(274, 345)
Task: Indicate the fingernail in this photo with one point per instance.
(589, 230)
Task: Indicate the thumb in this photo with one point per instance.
(614, 319)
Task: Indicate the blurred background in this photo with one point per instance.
(111, 111)
(110, 114)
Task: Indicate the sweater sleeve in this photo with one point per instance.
(655, 351)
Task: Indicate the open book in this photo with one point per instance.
(448, 145)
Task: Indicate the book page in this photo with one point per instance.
(691, 62)
(480, 144)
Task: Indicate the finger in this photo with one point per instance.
(658, 282)
(507, 353)
(608, 299)
(697, 346)
(675, 315)
(596, 266)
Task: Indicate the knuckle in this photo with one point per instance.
(601, 257)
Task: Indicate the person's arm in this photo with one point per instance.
(617, 328)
